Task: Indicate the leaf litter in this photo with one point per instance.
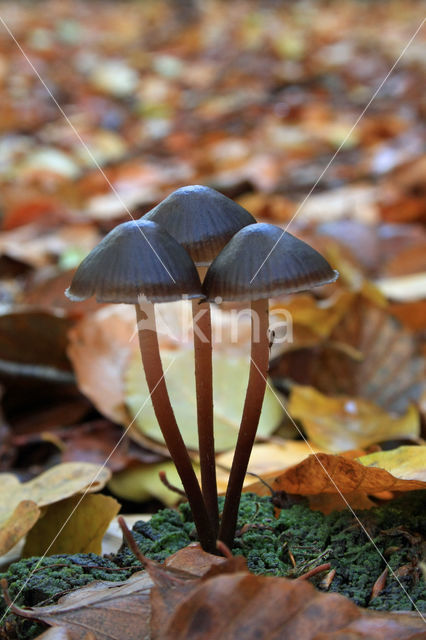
(254, 106)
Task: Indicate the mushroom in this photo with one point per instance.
(259, 262)
(139, 263)
(202, 220)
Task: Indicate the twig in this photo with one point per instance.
(313, 572)
(163, 477)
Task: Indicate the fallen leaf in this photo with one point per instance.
(39, 247)
(226, 602)
(228, 373)
(60, 633)
(59, 482)
(406, 288)
(406, 463)
(389, 372)
(142, 482)
(101, 440)
(20, 521)
(101, 345)
(325, 473)
(412, 315)
(265, 458)
(99, 349)
(74, 525)
(342, 423)
(102, 608)
(311, 320)
(265, 608)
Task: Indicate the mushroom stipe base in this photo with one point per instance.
(398, 528)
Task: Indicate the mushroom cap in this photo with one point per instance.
(201, 219)
(262, 261)
(137, 258)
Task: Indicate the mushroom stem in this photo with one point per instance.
(151, 359)
(250, 418)
(204, 390)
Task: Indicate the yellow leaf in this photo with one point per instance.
(74, 525)
(266, 458)
(20, 521)
(325, 473)
(59, 482)
(321, 317)
(342, 423)
(230, 376)
(406, 463)
(142, 482)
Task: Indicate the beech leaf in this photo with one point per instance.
(74, 525)
(343, 423)
(225, 603)
(19, 522)
(326, 473)
(55, 484)
(229, 373)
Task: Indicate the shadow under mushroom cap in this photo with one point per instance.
(201, 219)
(137, 258)
(262, 261)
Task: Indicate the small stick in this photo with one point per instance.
(131, 541)
(10, 605)
(313, 572)
(163, 477)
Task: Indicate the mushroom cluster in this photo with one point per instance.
(198, 244)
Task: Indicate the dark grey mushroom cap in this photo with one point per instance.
(137, 258)
(201, 219)
(262, 261)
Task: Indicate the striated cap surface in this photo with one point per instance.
(201, 219)
(262, 261)
(137, 258)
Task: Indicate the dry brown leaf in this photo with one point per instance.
(241, 605)
(411, 314)
(36, 246)
(109, 610)
(325, 473)
(99, 350)
(390, 372)
(342, 423)
(226, 603)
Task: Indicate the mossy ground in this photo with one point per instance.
(298, 540)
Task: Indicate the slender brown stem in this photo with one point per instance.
(148, 341)
(204, 389)
(250, 418)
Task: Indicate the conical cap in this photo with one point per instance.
(201, 219)
(262, 261)
(137, 258)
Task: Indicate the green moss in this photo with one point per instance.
(301, 539)
(298, 540)
(32, 582)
